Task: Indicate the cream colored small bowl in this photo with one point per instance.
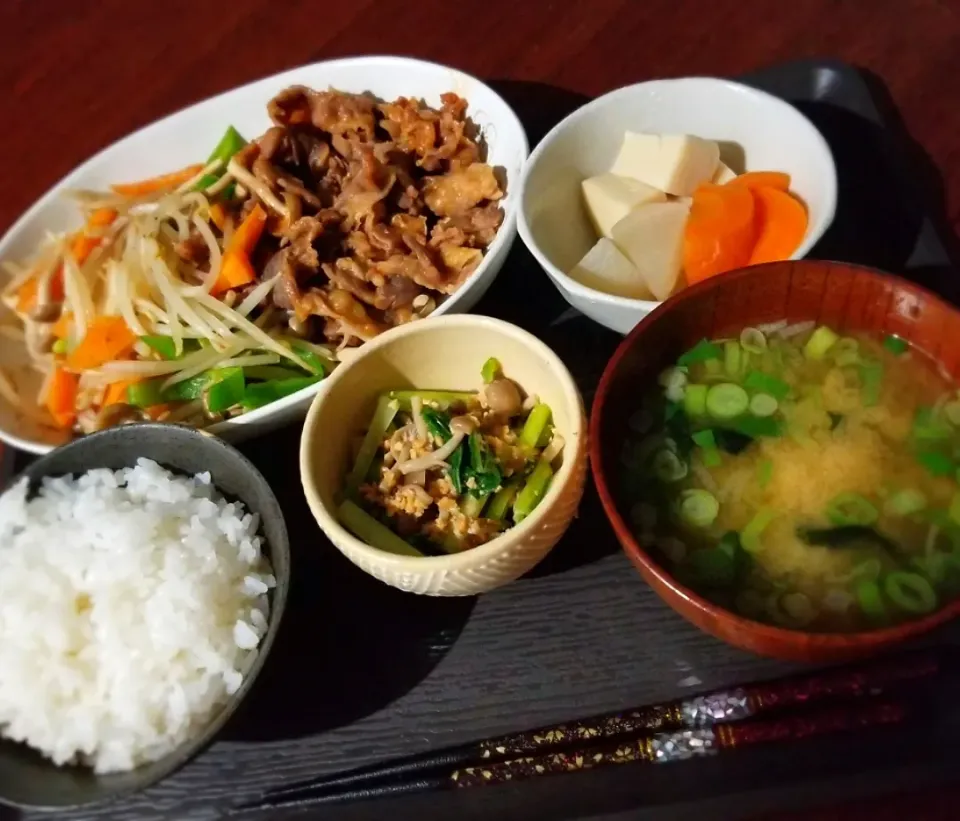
(444, 353)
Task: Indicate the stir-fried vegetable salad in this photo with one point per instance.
(126, 320)
(444, 471)
(802, 477)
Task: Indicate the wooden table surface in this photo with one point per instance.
(79, 75)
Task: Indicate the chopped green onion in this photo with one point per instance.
(757, 426)
(895, 345)
(710, 567)
(952, 411)
(750, 536)
(491, 370)
(752, 340)
(905, 502)
(851, 509)
(910, 592)
(732, 357)
(374, 533)
(668, 467)
(695, 400)
(726, 400)
(705, 439)
(712, 368)
(820, 343)
(533, 427)
(868, 570)
(674, 382)
(799, 608)
(383, 416)
(698, 507)
(764, 383)
(225, 389)
(871, 377)
(871, 601)
(846, 352)
(764, 473)
(928, 427)
(763, 404)
(533, 491)
(703, 351)
(712, 458)
(936, 463)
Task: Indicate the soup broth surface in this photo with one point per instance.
(802, 478)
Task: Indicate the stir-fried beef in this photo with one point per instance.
(380, 208)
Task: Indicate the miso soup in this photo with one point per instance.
(802, 478)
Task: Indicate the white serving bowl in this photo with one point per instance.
(186, 136)
(756, 131)
(444, 354)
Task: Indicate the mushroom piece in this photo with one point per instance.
(503, 396)
(463, 424)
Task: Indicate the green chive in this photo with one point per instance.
(764, 383)
(701, 352)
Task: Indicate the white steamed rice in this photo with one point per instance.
(131, 606)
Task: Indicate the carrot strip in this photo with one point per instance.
(720, 232)
(171, 180)
(763, 179)
(157, 411)
(62, 397)
(218, 214)
(107, 338)
(116, 393)
(782, 222)
(235, 267)
(81, 245)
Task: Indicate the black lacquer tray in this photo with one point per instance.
(361, 673)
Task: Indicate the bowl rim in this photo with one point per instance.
(577, 289)
(640, 556)
(327, 519)
(503, 239)
(193, 746)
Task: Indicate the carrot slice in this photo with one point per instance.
(154, 184)
(108, 337)
(720, 231)
(763, 179)
(62, 397)
(218, 214)
(116, 393)
(235, 267)
(80, 246)
(782, 222)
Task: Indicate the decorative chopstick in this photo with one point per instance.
(724, 706)
(660, 748)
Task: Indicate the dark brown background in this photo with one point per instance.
(79, 75)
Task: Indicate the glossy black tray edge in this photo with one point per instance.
(906, 234)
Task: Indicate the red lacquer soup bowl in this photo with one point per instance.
(845, 297)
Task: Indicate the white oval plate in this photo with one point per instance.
(189, 135)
